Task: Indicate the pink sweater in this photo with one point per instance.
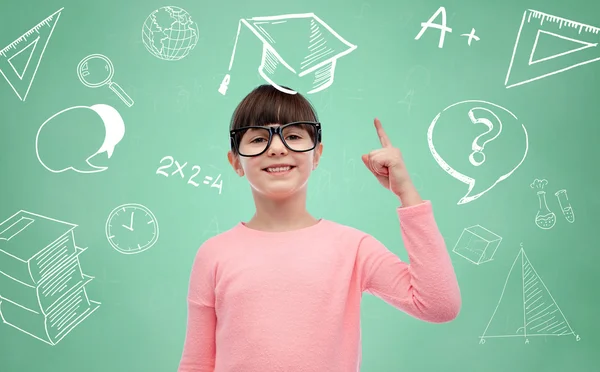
(290, 301)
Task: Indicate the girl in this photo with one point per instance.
(282, 291)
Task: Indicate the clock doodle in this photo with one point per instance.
(131, 228)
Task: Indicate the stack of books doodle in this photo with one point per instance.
(42, 288)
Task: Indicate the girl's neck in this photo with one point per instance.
(281, 215)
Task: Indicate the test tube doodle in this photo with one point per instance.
(565, 205)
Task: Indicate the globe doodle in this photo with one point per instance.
(169, 33)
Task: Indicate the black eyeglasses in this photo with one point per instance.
(299, 136)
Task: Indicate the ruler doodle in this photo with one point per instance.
(574, 44)
(29, 49)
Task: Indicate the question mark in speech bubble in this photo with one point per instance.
(484, 138)
(480, 184)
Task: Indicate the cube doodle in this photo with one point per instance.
(477, 244)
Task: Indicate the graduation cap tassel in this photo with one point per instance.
(225, 82)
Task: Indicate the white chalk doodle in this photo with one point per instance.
(480, 113)
(494, 128)
(565, 205)
(216, 182)
(544, 218)
(443, 27)
(430, 24)
(28, 49)
(530, 60)
(471, 36)
(96, 70)
(526, 308)
(131, 228)
(42, 288)
(114, 130)
(477, 244)
(169, 33)
(300, 43)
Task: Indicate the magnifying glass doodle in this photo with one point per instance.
(97, 70)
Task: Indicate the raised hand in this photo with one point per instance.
(387, 164)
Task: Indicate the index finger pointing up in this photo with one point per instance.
(383, 138)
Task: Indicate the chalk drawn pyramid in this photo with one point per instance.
(526, 308)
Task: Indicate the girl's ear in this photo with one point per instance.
(318, 152)
(235, 163)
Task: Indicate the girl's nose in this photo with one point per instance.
(277, 146)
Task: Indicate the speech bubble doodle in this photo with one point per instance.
(460, 143)
(114, 130)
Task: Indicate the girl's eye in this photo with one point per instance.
(257, 140)
(293, 135)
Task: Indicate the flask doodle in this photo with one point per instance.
(491, 134)
(544, 218)
(114, 130)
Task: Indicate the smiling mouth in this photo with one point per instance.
(279, 169)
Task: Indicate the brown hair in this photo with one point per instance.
(268, 105)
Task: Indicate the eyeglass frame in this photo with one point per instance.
(279, 131)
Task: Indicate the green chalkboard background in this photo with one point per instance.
(132, 304)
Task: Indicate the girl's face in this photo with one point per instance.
(266, 179)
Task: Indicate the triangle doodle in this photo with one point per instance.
(20, 76)
(556, 37)
(535, 26)
(526, 307)
(23, 62)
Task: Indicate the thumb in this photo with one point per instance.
(365, 159)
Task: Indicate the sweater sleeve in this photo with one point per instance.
(199, 345)
(426, 288)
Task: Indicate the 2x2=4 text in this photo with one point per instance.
(178, 169)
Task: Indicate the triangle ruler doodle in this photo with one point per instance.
(19, 60)
(547, 45)
(526, 308)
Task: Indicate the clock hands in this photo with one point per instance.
(130, 227)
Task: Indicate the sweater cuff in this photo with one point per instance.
(419, 209)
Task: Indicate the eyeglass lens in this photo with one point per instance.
(298, 137)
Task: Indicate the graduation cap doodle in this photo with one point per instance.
(294, 45)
